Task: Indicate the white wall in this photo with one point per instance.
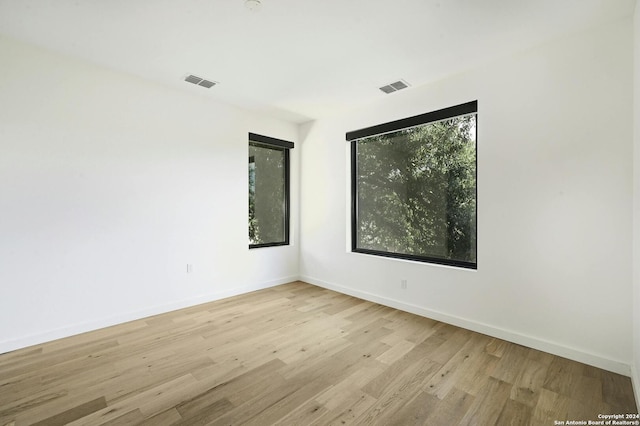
(636, 210)
(554, 196)
(109, 186)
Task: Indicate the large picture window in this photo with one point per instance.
(268, 191)
(414, 187)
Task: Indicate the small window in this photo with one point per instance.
(268, 191)
(414, 187)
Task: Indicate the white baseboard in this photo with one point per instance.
(59, 333)
(511, 336)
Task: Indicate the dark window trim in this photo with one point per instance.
(353, 136)
(268, 140)
(285, 146)
(417, 120)
(423, 259)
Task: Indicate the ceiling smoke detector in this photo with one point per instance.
(253, 5)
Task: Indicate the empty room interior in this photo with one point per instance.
(439, 222)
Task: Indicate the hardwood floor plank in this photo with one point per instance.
(615, 392)
(341, 304)
(250, 384)
(71, 400)
(496, 347)
(254, 406)
(588, 390)
(551, 406)
(462, 363)
(133, 417)
(54, 360)
(305, 414)
(349, 408)
(400, 392)
(19, 356)
(318, 362)
(396, 351)
(296, 354)
(304, 393)
(202, 411)
(411, 327)
(74, 413)
(417, 411)
(477, 373)
(514, 414)
(169, 417)
(488, 406)
(418, 354)
(586, 410)
(562, 376)
(149, 402)
(134, 381)
(529, 382)
(444, 352)
(451, 409)
(511, 363)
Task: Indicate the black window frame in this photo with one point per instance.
(285, 146)
(418, 120)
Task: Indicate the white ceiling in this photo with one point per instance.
(298, 59)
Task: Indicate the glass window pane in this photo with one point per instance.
(415, 192)
(267, 192)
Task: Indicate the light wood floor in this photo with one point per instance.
(298, 355)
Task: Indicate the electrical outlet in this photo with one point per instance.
(403, 284)
(189, 268)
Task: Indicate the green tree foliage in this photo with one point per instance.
(266, 194)
(416, 191)
(254, 233)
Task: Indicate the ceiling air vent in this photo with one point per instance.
(394, 87)
(200, 81)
